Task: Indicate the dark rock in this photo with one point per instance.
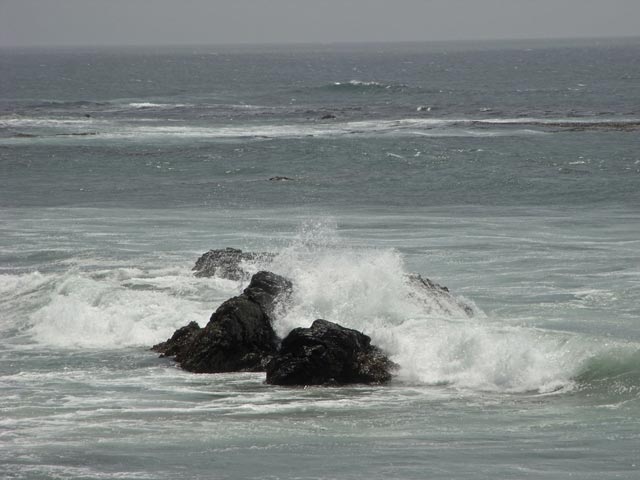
(180, 340)
(279, 178)
(328, 354)
(226, 263)
(328, 116)
(266, 289)
(239, 335)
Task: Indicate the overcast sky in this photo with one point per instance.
(168, 22)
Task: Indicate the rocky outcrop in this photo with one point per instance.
(240, 338)
(437, 296)
(239, 335)
(328, 354)
(226, 263)
(179, 341)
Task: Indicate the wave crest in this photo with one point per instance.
(617, 369)
(360, 85)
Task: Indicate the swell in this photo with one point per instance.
(355, 86)
(613, 370)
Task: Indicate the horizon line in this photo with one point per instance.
(321, 43)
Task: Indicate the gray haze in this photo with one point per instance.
(163, 22)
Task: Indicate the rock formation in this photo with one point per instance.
(226, 263)
(439, 296)
(239, 335)
(328, 354)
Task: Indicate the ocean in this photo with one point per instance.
(507, 171)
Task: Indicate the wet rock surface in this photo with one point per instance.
(179, 341)
(239, 335)
(440, 295)
(328, 354)
(226, 263)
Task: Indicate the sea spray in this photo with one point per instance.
(114, 309)
(433, 339)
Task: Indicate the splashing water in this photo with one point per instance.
(431, 337)
(430, 334)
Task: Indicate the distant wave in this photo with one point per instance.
(27, 127)
(355, 85)
(69, 104)
(156, 105)
(573, 123)
(405, 127)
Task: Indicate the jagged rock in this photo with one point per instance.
(180, 340)
(440, 296)
(226, 263)
(328, 354)
(239, 335)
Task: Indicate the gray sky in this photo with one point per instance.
(163, 22)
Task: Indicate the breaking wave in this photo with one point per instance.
(55, 127)
(149, 105)
(365, 86)
(43, 127)
(435, 337)
(124, 307)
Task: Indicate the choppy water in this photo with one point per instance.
(508, 172)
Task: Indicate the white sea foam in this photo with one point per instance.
(136, 129)
(359, 83)
(156, 105)
(81, 310)
(15, 121)
(430, 336)
(402, 127)
(432, 339)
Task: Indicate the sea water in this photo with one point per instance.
(508, 172)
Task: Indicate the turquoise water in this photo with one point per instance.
(507, 172)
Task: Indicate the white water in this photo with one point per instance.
(84, 398)
(431, 337)
(142, 128)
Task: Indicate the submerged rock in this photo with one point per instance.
(239, 335)
(226, 263)
(280, 178)
(328, 354)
